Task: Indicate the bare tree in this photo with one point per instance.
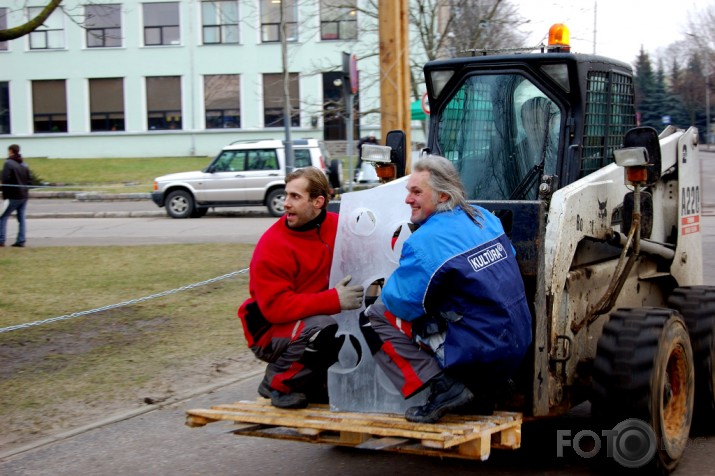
(449, 28)
(701, 30)
(32, 24)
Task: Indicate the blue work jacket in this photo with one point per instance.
(467, 275)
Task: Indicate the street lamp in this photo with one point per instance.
(348, 102)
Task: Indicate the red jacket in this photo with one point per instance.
(289, 277)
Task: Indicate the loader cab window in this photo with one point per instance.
(502, 134)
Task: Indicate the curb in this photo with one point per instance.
(145, 214)
(159, 213)
(91, 196)
(126, 197)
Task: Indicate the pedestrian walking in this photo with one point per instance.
(16, 180)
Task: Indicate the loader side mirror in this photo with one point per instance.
(396, 141)
(646, 138)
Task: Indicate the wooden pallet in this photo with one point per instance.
(459, 436)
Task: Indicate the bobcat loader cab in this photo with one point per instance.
(610, 255)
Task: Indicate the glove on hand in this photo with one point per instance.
(351, 297)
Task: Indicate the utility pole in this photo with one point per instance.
(288, 143)
(595, 16)
(707, 107)
(348, 83)
(395, 70)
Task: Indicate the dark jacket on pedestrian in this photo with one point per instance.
(16, 178)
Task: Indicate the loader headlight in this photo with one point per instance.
(634, 160)
(631, 156)
(376, 153)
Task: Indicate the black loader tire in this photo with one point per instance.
(697, 306)
(644, 370)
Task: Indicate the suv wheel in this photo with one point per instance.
(275, 200)
(179, 204)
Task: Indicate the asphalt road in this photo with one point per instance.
(67, 222)
(156, 442)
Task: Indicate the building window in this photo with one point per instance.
(222, 99)
(4, 107)
(106, 104)
(51, 34)
(163, 102)
(338, 19)
(103, 24)
(273, 100)
(271, 20)
(3, 26)
(49, 106)
(161, 24)
(220, 22)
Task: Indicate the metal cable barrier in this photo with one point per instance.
(122, 304)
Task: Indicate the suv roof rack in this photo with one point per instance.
(301, 141)
(248, 141)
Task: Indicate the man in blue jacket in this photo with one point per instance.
(455, 305)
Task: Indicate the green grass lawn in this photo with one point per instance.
(71, 372)
(119, 175)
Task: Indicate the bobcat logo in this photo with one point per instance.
(602, 208)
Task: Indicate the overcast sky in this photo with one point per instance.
(622, 26)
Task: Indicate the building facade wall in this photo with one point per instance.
(190, 60)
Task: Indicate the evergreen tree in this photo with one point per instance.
(660, 98)
(646, 91)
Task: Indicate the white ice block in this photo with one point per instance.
(363, 249)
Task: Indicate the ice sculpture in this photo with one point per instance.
(364, 250)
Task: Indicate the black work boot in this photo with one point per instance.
(280, 399)
(288, 400)
(446, 394)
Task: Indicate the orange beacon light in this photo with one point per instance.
(559, 37)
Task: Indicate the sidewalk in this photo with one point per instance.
(48, 204)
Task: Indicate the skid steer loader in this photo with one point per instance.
(605, 218)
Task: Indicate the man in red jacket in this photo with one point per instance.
(286, 321)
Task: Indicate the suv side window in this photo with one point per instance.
(230, 161)
(262, 160)
(302, 158)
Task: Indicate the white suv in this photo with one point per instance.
(243, 174)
